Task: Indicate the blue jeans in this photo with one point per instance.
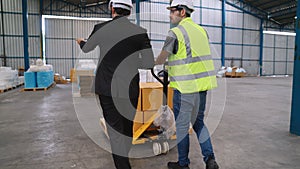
(190, 108)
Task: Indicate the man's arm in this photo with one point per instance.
(161, 59)
(170, 47)
(86, 45)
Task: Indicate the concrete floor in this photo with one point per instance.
(41, 130)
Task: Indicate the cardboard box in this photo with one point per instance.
(73, 76)
(151, 96)
(139, 106)
(139, 117)
(148, 115)
(239, 74)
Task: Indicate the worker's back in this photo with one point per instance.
(124, 48)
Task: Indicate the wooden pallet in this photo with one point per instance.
(39, 88)
(11, 88)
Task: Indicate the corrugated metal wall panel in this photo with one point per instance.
(278, 51)
(61, 65)
(233, 51)
(159, 31)
(252, 67)
(291, 55)
(291, 41)
(211, 17)
(251, 52)
(58, 28)
(251, 37)
(230, 8)
(34, 46)
(214, 34)
(234, 19)
(251, 22)
(156, 46)
(14, 46)
(33, 6)
(215, 51)
(280, 54)
(1, 46)
(268, 54)
(281, 41)
(217, 64)
(13, 24)
(196, 15)
(268, 68)
(33, 25)
(234, 36)
(280, 68)
(290, 68)
(212, 4)
(83, 28)
(58, 48)
(1, 41)
(269, 40)
(12, 5)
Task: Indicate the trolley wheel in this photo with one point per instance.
(165, 148)
(156, 148)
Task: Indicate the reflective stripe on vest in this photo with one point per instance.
(191, 69)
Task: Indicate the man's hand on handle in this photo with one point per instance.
(79, 40)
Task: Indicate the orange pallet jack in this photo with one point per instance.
(148, 132)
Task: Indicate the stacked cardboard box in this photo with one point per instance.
(150, 100)
(86, 85)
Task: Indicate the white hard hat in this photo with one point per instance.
(187, 3)
(124, 4)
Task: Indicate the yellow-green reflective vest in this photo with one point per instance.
(191, 69)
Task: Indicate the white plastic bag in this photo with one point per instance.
(166, 121)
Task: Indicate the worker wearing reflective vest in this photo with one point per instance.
(192, 74)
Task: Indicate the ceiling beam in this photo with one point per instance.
(280, 6)
(283, 12)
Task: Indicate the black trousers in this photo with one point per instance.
(119, 115)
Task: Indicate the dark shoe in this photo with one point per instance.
(175, 165)
(211, 164)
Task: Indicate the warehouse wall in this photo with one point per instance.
(61, 49)
(242, 31)
(13, 32)
(242, 34)
(278, 58)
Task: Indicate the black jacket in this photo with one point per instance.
(124, 48)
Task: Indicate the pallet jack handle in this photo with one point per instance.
(165, 82)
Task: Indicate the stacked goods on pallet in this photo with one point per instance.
(85, 74)
(39, 76)
(146, 76)
(59, 79)
(231, 72)
(44, 79)
(30, 79)
(8, 78)
(86, 84)
(235, 72)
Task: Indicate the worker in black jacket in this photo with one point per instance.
(124, 48)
